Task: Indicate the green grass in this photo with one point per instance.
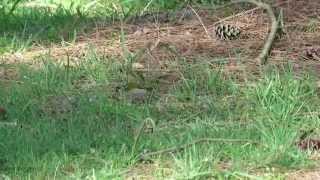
(78, 122)
(29, 25)
(37, 26)
(40, 24)
(74, 123)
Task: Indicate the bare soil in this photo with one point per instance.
(159, 43)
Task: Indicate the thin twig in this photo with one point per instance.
(146, 7)
(245, 12)
(8, 124)
(200, 20)
(137, 137)
(142, 127)
(11, 81)
(263, 56)
(237, 15)
(199, 141)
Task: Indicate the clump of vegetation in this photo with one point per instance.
(73, 122)
(115, 117)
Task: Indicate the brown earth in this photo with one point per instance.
(157, 44)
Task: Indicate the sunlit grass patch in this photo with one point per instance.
(78, 122)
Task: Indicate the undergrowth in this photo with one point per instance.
(77, 122)
(46, 22)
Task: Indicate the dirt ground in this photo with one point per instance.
(158, 43)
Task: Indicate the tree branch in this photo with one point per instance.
(263, 56)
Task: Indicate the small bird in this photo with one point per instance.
(137, 95)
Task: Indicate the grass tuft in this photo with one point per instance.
(76, 122)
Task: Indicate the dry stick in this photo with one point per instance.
(204, 140)
(10, 80)
(263, 56)
(237, 15)
(200, 20)
(8, 124)
(316, 57)
(137, 137)
(245, 12)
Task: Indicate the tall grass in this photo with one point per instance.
(27, 23)
(76, 124)
(79, 122)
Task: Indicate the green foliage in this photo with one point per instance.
(77, 119)
(154, 3)
(138, 5)
(7, 7)
(22, 25)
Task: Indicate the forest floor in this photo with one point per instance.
(186, 37)
(161, 98)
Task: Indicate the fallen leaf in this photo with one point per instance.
(3, 113)
(309, 144)
(313, 53)
(137, 66)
